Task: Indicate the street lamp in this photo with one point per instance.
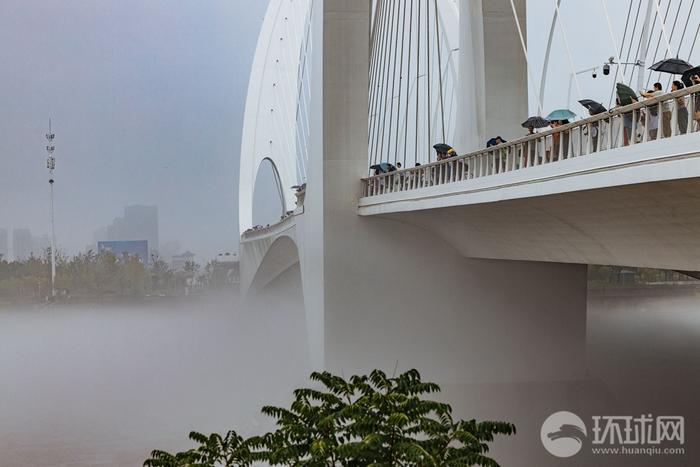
(51, 165)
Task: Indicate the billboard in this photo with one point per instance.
(121, 247)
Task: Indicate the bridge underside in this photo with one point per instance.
(643, 225)
(632, 206)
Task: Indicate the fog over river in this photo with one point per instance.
(103, 385)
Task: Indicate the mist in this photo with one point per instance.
(105, 385)
(147, 103)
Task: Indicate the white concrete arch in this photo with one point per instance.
(272, 105)
(279, 187)
(281, 255)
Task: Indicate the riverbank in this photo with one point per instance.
(93, 302)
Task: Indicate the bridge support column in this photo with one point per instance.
(393, 291)
(492, 92)
(496, 334)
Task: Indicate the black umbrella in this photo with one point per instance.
(444, 151)
(494, 141)
(688, 75)
(675, 66)
(442, 148)
(593, 107)
(535, 122)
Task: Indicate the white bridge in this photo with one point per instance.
(473, 268)
(581, 193)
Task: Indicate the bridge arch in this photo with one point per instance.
(275, 120)
(269, 195)
(281, 256)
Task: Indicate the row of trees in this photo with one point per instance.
(369, 420)
(97, 274)
(614, 276)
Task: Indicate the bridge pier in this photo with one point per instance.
(502, 337)
(393, 291)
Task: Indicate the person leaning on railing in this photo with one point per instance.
(651, 117)
(500, 155)
(681, 108)
(695, 79)
(627, 123)
(557, 139)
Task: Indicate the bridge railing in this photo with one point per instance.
(661, 117)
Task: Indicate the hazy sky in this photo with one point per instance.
(147, 101)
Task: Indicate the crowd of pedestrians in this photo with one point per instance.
(657, 120)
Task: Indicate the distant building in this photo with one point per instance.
(22, 244)
(126, 247)
(178, 261)
(4, 246)
(138, 222)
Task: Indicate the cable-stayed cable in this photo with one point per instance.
(393, 88)
(439, 56)
(619, 58)
(398, 112)
(661, 33)
(428, 71)
(408, 76)
(417, 78)
(629, 48)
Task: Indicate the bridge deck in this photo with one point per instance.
(556, 153)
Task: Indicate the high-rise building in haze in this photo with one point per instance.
(4, 247)
(40, 244)
(22, 244)
(138, 223)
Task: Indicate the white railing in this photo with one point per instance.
(658, 118)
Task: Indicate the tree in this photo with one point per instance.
(190, 267)
(370, 420)
(230, 450)
(162, 277)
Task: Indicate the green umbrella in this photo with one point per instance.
(626, 94)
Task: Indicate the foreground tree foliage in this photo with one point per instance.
(214, 450)
(369, 420)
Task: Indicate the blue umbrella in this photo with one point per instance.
(561, 114)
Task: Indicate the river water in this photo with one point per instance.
(103, 385)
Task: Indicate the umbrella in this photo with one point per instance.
(594, 107)
(535, 122)
(675, 66)
(626, 94)
(494, 141)
(689, 74)
(442, 148)
(383, 167)
(561, 114)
